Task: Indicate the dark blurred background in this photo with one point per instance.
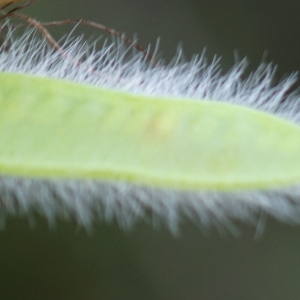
(257, 29)
(66, 263)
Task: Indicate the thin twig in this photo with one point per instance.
(33, 22)
(105, 29)
(41, 27)
(29, 3)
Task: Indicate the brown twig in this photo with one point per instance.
(33, 22)
(105, 29)
(41, 27)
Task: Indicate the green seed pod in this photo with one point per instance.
(132, 142)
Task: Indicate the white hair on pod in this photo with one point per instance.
(117, 66)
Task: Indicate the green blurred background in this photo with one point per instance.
(66, 263)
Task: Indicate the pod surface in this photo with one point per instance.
(59, 129)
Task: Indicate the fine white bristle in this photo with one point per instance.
(117, 66)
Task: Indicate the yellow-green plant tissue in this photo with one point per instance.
(141, 145)
(54, 128)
